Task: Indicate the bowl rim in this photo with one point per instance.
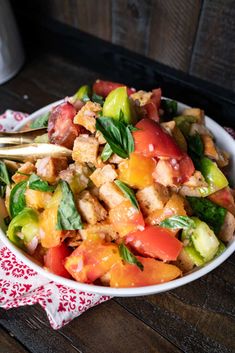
(131, 291)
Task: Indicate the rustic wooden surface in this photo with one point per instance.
(198, 317)
(195, 36)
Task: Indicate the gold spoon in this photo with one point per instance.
(34, 151)
(22, 137)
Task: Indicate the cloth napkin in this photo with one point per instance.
(21, 285)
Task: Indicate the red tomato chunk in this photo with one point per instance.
(156, 242)
(54, 260)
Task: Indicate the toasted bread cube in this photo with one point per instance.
(115, 159)
(85, 149)
(103, 175)
(48, 168)
(196, 180)
(104, 230)
(209, 147)
(100, 137)
(163, 173)
(87, 115)
(152, 198)
(196, 112)
(90, 208)
(26, 168)
(141, 97)
(111, 195)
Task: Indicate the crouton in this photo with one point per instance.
(209, 147)
(77, 175)
(163, 173)
(115, 159)
(100, 137)
(111, 194)
(141, 97)
(200, 129)
(87, 115)
(152, 198)
(103, 175)
(196, 180)
(104, 230)
(184, 262)
(196, 112)
(85, 149)
(48, 168)
(90, 208)
(227, 230)
(26, 168)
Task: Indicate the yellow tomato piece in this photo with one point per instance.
(50, 237)
(137, 171)
(127, 275)
(37, 199)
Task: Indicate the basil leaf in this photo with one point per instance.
(178, 222)
(2, 190)
(36, 183)
(41, 121)
(4, 179)
(195, 145)
(97, 99)
(170, 107)
(117, 134)
(17, 198)
(128, 192)
(68, 217)
(4, 176)
(106, 153)
(208, 212)
(127, 256)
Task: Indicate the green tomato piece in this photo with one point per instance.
(117, 104)
(204, 240)
(83, 94)
(26, 223)
(194, 255)
(213, 176)
(221, 248)
(184, 122)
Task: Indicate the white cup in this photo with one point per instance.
(11, 51)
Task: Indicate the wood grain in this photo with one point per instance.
(105, 328)
(172, 32)
(131, 24)
(8, 344)
(202, 313)
(214, 52)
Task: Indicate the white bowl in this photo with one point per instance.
(225, 141)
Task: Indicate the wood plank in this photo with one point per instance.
(130, 24)
(8, 344)
(172, 31)
(204, 311)
(214, 52)
(105, 328)
(90, 16)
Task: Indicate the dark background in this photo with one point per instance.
(194, 36)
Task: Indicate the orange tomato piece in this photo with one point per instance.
(155, 272)
(126, 218)
(137, 171)
(174, 207)
(37, 199)
(91, 260)
(50, 237)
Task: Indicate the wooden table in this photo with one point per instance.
(198, 317)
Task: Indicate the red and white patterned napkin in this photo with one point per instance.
(21, 285)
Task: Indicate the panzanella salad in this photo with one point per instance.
(144, 199)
